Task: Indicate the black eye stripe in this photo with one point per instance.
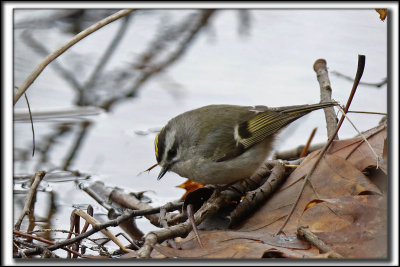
(172, 152)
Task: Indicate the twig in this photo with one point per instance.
(326, 92)
(33, 130)
(74, 226)
(307, 146)
(190, 213)
(99, 192)
(294, 153)
(29, 198)
(210, 207)
(43, 240)
(255, 198)
(380, 84)
(93, 222)
(32, 77)
(360, 70)
(164, 223)
(111, 223)
(313, 239)
(124, 236)
(363, 136)
(20, 250)
(367, 112)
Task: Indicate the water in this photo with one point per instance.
(270, 65)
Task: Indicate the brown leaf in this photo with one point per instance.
(382, 13)
(333, 178)
(353, 226)
(232, 244)
(357, 152)
(189, 186)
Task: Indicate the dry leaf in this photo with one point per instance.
(189, 186)
(382, 13)
(353, 226)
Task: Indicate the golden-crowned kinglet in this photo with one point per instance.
(220, 144)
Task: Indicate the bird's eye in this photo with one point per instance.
(171, 153)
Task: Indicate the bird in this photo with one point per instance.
(220, 143)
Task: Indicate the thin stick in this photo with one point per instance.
(98, 227)
(379, 84)
(93, 221)
(210, 207)
(29, 198)
(367, 112)
(313, 239)
(32, 77)
(43, 240)
(189, 210)
(33, 130)
(306, 147)
(360, 70)
(363, 136)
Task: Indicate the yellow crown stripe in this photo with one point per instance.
(156, 144)
(156, 141)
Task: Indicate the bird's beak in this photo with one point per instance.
(162, 172)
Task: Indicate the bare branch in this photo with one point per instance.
(326, 92)
(29, 198)
(32, 77)
(313, 239)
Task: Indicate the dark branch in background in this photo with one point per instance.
(39, 48)
(81, 135)
(64, 15)
(154, 68)
(244, 22)
(379, 85)
(36, 72)
(51, 140)
(104, 60)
